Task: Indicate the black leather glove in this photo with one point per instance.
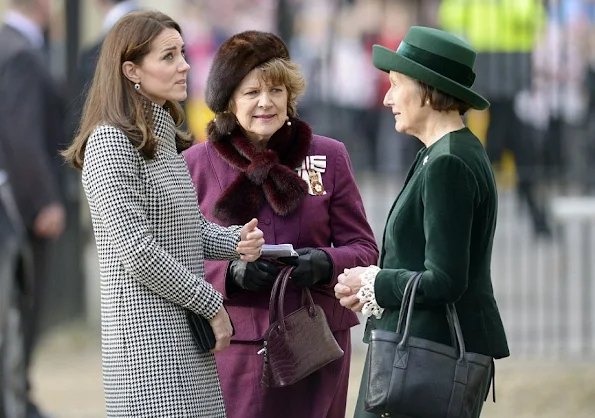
(256, 276)
(312, 266)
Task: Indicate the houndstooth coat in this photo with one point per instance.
(152, 241)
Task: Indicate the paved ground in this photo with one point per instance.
(67, 379)
(545, 296)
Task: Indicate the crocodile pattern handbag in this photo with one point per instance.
(298, 344)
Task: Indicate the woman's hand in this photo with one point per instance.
(352, 278)
(251, 241)
(222, 329)
(347, 299)
(349, 283)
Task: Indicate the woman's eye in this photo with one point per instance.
(169, 56)
(251, 92)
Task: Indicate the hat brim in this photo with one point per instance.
(388, 60)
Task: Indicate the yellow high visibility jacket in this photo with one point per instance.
(494, 25)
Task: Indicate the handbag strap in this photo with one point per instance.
(283, 275)
(454, 319)
(277, 302)
(408, 304)
(405, 304)
(405, 300)
(306, 300)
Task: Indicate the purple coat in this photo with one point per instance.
(335, 222)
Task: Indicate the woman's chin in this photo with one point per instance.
(180, 97)
(268, 130)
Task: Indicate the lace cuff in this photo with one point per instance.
(366, 293)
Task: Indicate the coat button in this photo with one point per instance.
(266, 221)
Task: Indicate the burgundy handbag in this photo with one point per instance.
(298, 344)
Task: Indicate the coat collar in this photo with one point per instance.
(264, 174)
(164, 126)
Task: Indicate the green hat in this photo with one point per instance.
(439, 59)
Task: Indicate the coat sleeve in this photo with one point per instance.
(113, 183)
(353, 242)
(23, 136)
(203, 178)
(449, 197)
(219, 242)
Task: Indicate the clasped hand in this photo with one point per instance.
(349, 283)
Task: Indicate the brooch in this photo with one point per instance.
(311, 172)
(316, 182)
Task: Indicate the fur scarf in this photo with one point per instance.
(265, 174)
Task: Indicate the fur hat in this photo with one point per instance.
(235, 58)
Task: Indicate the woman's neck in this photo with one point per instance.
(439, 124)
(258, 141)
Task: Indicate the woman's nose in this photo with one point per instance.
(264, 100)
(185, 67)
(387, 99)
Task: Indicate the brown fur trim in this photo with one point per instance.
(267, 174)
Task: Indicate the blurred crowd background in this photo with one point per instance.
(536, 65)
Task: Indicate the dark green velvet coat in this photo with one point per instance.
(443, 223)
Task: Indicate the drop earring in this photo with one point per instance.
(137, 86)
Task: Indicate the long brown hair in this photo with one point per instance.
(112, 99)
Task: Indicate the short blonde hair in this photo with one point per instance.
(287, 73)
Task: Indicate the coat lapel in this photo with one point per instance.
(410, 173)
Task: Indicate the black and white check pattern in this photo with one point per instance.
(152, 240)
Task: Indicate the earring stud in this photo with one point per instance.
(137, 86)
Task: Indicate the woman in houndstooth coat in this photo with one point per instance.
(151, 236)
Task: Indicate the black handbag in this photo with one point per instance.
(417, 378)
(203, 332)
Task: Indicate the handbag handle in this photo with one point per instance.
(306, 300)
(451, 312)
(277, 302)
(283, 275)
(405, 303)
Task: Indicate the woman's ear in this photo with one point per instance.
(231, 107)
(130, 71)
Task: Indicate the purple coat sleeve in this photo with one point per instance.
(352, 239)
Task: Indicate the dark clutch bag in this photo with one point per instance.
(298, 344)
(414, 377)
(203, 332)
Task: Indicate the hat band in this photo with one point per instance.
(442, 65)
